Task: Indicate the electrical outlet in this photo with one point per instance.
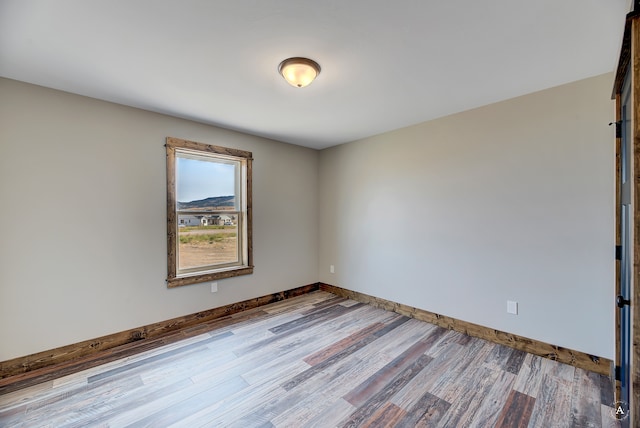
(332, 269)
(512, 307)
(214, 287)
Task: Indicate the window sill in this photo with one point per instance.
(189, 279)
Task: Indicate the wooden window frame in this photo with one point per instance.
(245, 266)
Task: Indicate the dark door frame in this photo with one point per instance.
(629, 63)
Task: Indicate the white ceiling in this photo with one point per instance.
(385, 64)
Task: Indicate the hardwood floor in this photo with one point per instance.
(320, 360)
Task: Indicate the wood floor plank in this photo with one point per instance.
(349, 302)
(236, 409)
(360, 394)
(105, 410)
(176, 411)
(558, 370)
(222, 324)
(461, 339)
(73, 409)
(585, 399)
(498, 357)
(191, 366)
(530, 376)
(475, 387)
(516, 411)
(311, 371)
(462, 371)
(247, 362)
(325, 303)
(608, 419)
(257, 364)
(316, 409)
(16, 398)
(299, 325)
(515, 361)
(388, 415)
(436, 372)
(330, 416)
(492, 402)
(263, 390)
(162, 396)
(300, 403)
(306, 347)
(158, 383)
(283, 367)
(400, 339)
(159, 358)
(553, 404)
(85, 374)
(341, 345)
(288, 305)
(270, 349)
(309, 399)
(278, 404)
(314, 398)
(206, 413)
(312, 317)
(426, 412)
(365, 411)
(443, 344)
(606, 390)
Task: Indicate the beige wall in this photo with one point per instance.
(512, 201)
(456, 216)
(83, 224)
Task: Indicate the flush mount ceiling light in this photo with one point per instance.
(299, 72)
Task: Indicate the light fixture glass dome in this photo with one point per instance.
(299, 72)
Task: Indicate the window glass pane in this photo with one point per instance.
(207, 205)
(203, 184)
(213, 244)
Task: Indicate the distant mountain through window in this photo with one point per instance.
(214, 202)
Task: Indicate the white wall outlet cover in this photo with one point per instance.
(214, 287)
(512, 307)
(332, 269)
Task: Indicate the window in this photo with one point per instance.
(208, 212)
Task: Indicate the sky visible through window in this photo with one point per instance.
(196, 179)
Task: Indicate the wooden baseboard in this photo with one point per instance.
(32, 369)
(35, 368)
(553, 352)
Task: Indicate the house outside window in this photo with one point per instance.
(209, 217)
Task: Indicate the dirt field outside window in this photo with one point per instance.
(208, 245)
